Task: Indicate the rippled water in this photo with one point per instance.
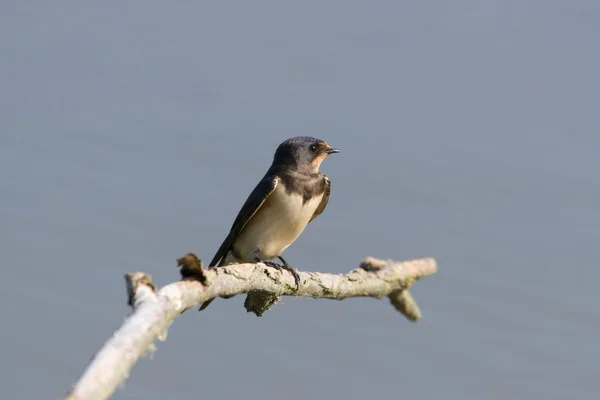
(131, 134)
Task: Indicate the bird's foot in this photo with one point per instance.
(286, 267)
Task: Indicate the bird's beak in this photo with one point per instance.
(332, 150)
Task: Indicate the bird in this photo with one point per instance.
(290, 195)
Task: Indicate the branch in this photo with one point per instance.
(154, 311)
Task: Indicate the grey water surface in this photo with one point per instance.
(131, 133)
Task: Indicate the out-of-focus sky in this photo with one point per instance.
(132, 132)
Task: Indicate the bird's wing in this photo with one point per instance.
(324, 200)
(259, 195)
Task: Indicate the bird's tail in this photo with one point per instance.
(222, 262)
(205, 304)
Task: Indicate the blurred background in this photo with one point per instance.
(132, 132)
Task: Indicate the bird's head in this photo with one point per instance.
(303, 153)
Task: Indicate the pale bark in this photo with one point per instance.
(154, 311)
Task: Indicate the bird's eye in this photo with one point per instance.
(313, 147)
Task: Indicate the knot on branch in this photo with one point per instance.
(191, 268)
(258, 302)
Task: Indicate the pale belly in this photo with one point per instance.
(275, 226)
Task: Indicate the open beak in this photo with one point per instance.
(332, 151)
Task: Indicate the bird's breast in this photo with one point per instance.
(276, 225)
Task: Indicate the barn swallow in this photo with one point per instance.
(291, 194)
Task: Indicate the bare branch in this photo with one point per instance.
(153, 311)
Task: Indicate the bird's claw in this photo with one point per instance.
(286, 267)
